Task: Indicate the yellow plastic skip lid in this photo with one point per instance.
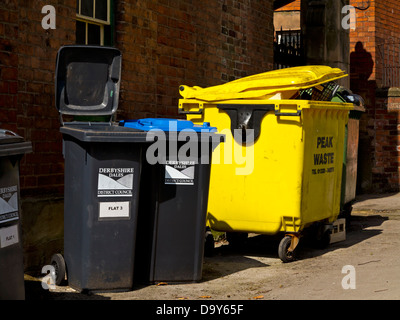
(265, 84)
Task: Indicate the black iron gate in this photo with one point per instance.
(288, 49)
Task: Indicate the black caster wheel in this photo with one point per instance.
(283, 250)
(60, 271)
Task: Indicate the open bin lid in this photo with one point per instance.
(87, 80)
(13, 144)
(266, 84)
(167, 125)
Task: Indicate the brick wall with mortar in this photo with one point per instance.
(27, 62)
(27, 59)
(379, 134)
(164, 44)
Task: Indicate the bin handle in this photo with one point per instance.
(181, 111)
(289, 114)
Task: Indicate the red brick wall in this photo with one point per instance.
(364, 35)
(27, 60)
(385, 171)
(387, 149)
(379, 141)
(38, 117)
(8, 64)
(169, 43)
(164, 44)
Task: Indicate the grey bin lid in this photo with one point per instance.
(101, 132)
(106, 133)
(12, 144)
(87, 80)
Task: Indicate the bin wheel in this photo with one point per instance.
(209, 244)
(58, 262)
(283, 250)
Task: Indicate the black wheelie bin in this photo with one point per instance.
(173, 199)
(102, 173)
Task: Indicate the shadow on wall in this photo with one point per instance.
(378, 156)
(361, 68)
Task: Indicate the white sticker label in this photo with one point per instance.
(8, 204)
(179, 172)
(114, 210)
(8, 236)
(115, 182)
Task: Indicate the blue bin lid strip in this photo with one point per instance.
(167, 125)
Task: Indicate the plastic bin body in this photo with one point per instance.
(350, 156)
(102, 171)
(172, 209)
(350, 160)
(295, 179)
(12, 148)
(294, 182)
(101, 203)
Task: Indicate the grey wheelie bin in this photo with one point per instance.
(350, 157)
(173, 200)
(102, 172)
(12, 149)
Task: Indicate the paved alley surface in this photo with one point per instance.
(364, 266)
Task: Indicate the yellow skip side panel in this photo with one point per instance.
(323, 164)
(247, 197)
(294, 175)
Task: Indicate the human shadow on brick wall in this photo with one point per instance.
(361, 65)
(378, 172)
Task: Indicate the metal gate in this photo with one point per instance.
(288, 49)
